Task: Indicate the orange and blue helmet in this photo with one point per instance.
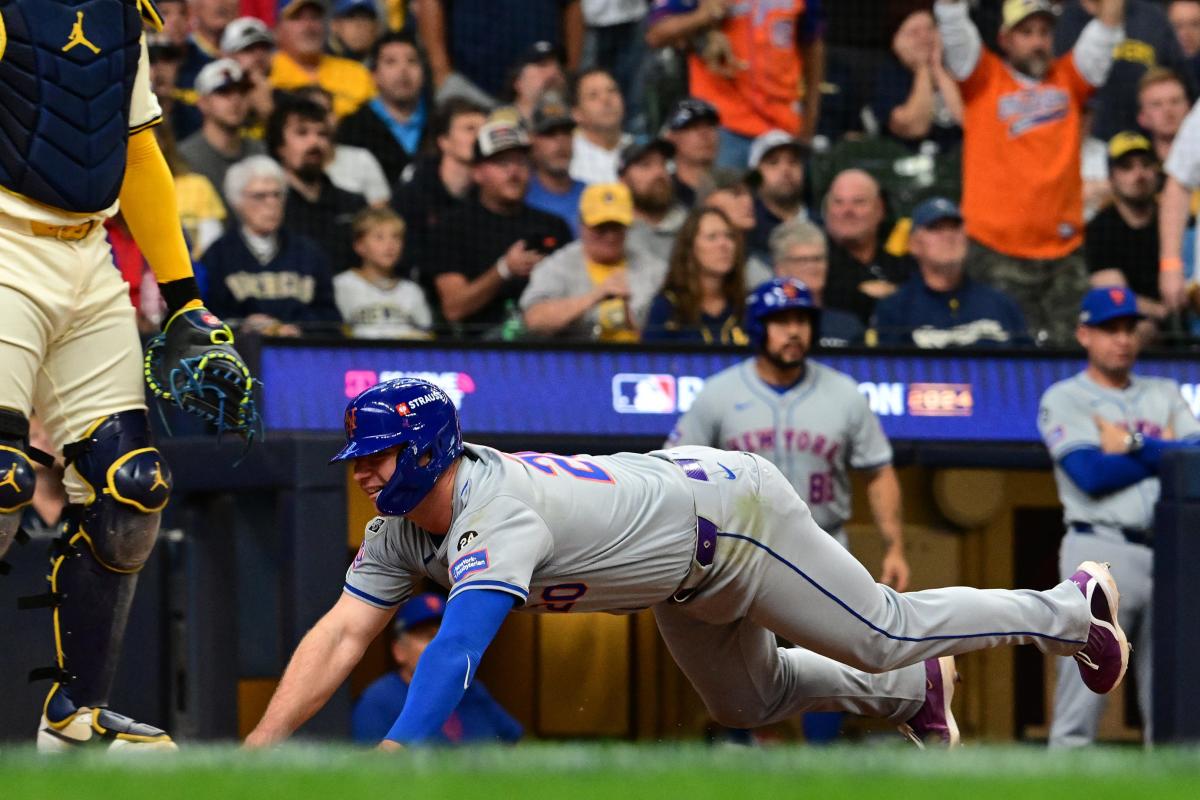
(418, 419)
(773, 297)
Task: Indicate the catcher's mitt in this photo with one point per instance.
(192, 365)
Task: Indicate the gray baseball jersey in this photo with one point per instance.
(619, 533)
(813, 432)
(1065, 420)
(577, 533)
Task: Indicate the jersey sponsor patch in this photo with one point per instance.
(469, 564)
(358, 559)
(466, 539)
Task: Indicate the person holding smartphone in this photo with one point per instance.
(483, 252)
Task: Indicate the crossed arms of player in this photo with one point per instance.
(329, 651)
(1110, 458)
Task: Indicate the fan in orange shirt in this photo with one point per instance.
(1022, 132)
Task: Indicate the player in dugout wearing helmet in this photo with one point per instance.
(718, 544)
(77, 111)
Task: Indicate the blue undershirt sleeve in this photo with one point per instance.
(1150, 453)
(1099, 473)
(448, 664)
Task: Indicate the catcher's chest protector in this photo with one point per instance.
(67, 69)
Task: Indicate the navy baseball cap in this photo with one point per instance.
(635, 151)
(538, 52)
(689, 111)
(1108, 302)
(934, 210)
(346, 8)
(418, 610)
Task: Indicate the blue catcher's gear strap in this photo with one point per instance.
(448, 664)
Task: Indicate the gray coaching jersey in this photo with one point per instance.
(562, 533)
(813, 432)
(1065, 421)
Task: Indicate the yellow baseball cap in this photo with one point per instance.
(1017, 11)
(606, 202)
(1127, 142)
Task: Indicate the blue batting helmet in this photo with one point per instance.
(414, 416)
(772, 297)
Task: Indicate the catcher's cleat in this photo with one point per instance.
(1103, 660)
(934, 721)
(64, 728)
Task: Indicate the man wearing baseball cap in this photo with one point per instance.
(354, 25)
(478, 717)
(222, 97)
(551, 187)
(302, 60)
(537, 72)
(1121, 245)
(940, 307)
(777, 164)
(657, 213)
(1022, 180)
(249, 42)
(599, 287)
(484, 251)
(1106, 429)
(692, 128)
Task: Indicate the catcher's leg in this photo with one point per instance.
(89, 395)
(17, 478)
(93, 574)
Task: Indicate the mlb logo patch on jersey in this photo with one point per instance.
(476, 561)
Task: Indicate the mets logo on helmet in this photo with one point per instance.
(1117, 296)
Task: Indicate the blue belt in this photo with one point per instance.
(1132, 535)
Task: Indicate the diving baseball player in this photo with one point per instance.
(717, 543)
(76, 111)
(808, 420)
(1106, 429)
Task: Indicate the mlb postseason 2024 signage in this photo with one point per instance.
(600, 391)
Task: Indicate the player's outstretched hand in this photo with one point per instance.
(192, 364)
(895, 570)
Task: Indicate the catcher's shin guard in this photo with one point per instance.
(17, 478)
(94, 566)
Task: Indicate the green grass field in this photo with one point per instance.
(622, 771)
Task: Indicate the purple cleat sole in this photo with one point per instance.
(1103, 660)
(934, 723)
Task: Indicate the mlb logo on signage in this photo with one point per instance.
(642, 393)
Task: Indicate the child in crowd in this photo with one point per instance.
(374, 302)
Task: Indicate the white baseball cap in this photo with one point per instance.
(218, 75)
(773, 140)
(245, 32)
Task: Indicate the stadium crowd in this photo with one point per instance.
(941, 173)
